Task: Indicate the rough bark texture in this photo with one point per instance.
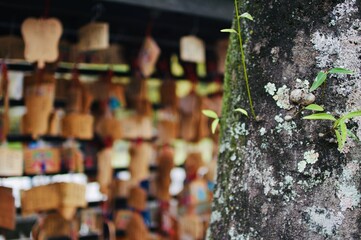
(281, 179)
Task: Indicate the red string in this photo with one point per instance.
(46, 8)
(190, 72)
(149, 29)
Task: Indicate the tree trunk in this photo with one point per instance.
(282, 177)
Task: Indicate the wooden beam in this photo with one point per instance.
(216, 9)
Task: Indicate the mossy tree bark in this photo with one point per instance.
(282, 177)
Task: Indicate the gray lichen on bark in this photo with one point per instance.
(277, 178)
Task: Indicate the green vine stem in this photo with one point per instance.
(244, 61)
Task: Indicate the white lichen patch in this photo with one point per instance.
(270, 88)
(275, 54)
(302, 84)
(269, 182)
(288, 180)
(215, 216)
(282, 98)
(262, 131)
(286, 189)
(301, 166)
(323, 221)
(342, 10)
(279, 118)
(287, 126)
(311, 156)
(349, 196)
(347, 190)
(238, 130)
(234, 235)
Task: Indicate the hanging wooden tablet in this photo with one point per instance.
(41, 37)
(170, 226)
(192, 164)
(190, 114)
(136, 229)
(198, 192)
(139, 163)
(35, 123)
(148, 56)
(117, 92)
(94, 36)
(89, 218)
(64, 197)
(39, 92)
(41, 198)
(136, 126)
(144, 107)
(55, 226)
(105, 170)
(39, 99)
(78, 125)
(41, 160)
(120, 188)
(191, 227)
(168, 126)
(139, 98)
(168, 95)
(163, 180)
(122, 218)
(74, 99)
(192, 49)
(11, 161)
(54, 128)
(72, 159)
(7, 208)
(109, 127)
(72, 196)
(137, 198)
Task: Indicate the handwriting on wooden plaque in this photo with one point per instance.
(94, 36)
(11, 161)
(41, 37)
(148, 56)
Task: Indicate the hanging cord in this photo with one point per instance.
(5, 92)
(98, 10)
(153, 15)
(195, 27)
(46, 8)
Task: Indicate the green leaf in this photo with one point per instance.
(320, 116)
(210, 113)
(321, 77)
(214, 125)
(314, 107)
(351, 115)
(246, 15)
(343, 130)
(241, 110)
(229, 30)
(340, 70)
(339, 140)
